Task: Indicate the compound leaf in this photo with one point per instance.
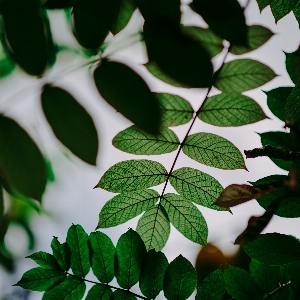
(62, 254)
(281, 8)
(99, 292)
(122, 295)
(45, 260)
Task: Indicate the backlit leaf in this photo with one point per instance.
(126, 206)
(122, 295)
(230, 110)
(45, 260)
(132, 175)
(263, 3)
(214, 151)
(99, 292)
(292, 62)
(281, 8)
(62, 254)
(292, 107)
(186, 218)
(243, 75)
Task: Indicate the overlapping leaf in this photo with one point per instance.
(292, 61)
(45, 260)
(62, 254)
(99, 292)
(281, 8)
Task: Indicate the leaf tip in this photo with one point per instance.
(96, 186)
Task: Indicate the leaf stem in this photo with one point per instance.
(281, 287)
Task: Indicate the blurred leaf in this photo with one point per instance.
(122, 295)
(274, 249)
(243, 75)
(6, 67)
(263, 3)
(214, 151)
(62, 254)
(6, 260)
(132, 175)
(230, 110)
(225, 18)
(71, 123)
(45, 260)
(154, 228)
(130, 251)
(126, 206)
(1, 205)
(240, 284)
(180, 279)
(196, 186)
(292, 63)
(58, 4)
(50, 172)
(152, 273)
(77, 240)
(186, 218)
(292, 107)
(102, 252)
(22, 164)
(127, 92)
(281, 8)
(99, 292)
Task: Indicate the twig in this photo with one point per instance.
(281, 287)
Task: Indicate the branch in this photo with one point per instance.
(281, 287)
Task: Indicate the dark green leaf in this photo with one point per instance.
(154, 228)
(99, 292)
(213, 286)
(296, 12)
(21, 162)
(1, 204)
(71, 123)
(134, 140)
(230, 110)
(225, 18)
(197, 186)
(180, 279)
(128, 93)
(45, 260)
(130, 251)
(276, 100)
(126, 206)
(62, 254)
(77, 240)
(263, 3)
(39, 279)
(292, 107)
(274, 249)
(186, 218)
(122, 295)
(6, 66)
(243, 75)
(240, 284)
(102, 252)
(281, 8)
(58, 4)
(132, 175)
(214, 151)
(292, 62)
(295, 279)
(152, 273)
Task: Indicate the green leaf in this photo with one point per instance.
(102, 252)
(240, 284)
(77, 240)
(243, 75)
(230, 110)
(122, 295)
(292, 62)
(71, 123)
(212, 43)
(126, 206)
(180, 279)
(1, 204)
(257, 36)
(295, 279)
(72, 288)
(154, 228)
(21, 162)
(280, 8)
(128, 93)
(175, 110)
(186, 218)
(99, 292)
(6, 67)
(62, 254)
(45, 260)
(296, 12)
(132, 175)
(214, 151)
(197, 186)
(276, 99)
(274, 249)
(40, 279)
(213, 286)
(152, 273)
(134, 140)
(292, 107)
(225, 18)
(263, 3)
(58, 4)
(130, 251)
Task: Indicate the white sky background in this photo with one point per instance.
(71, 198)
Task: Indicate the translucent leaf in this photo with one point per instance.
(130, 251)
(62, 254)
(131, 175)
(274, 249)
(197, 186)
(134, 140)
(128, 93)
(58, 4)
(99, 292)
(292, 107)
(243, 75)
(214, 151)
(152, 273)
(45, 260)
(122, 295)
(39, 279)
(263, 3)
(21, 162)
(77, 240)
(230, 110)
(240, 284)
(180, 279)
(213, 286)
(102, 252)
(126, 206)
(186, 218)
(154, 228)
(71, 123)
(257, 36)
(292, 61)
(6, 67)
(281, 8)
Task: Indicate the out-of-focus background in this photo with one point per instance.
(70, 198)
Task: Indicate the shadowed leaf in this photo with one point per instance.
(99, 292)
(292, 63)
(292, 107)
(45, 260)
(122, 295)
(58, 4)
(62, 254)
(6, 66)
